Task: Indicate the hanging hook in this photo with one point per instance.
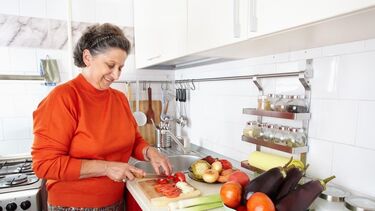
(193, 85)
(164, 87)
(144, 86)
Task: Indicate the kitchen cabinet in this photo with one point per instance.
(275, 16)
(213, 23)
(160, 30)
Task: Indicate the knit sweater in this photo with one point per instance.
(77, 121)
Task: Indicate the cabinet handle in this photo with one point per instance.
(154, 57)
(252, 16)
(236, 19)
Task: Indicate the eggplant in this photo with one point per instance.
(267, 183)
(303, 196)
(293, 176)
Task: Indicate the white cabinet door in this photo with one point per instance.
(274, 15)
(214, 23)
(159, 30)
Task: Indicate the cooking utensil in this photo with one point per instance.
(139, 116)
(150, 113)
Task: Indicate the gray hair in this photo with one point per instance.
(97, 39)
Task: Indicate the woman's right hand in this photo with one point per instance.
(118, 171)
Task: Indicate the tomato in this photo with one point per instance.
(260, 202)
(226, 164)
(241, 208)
(162, 181)
(239, 177)
(171, 178)
(179, 177)
(230, 194)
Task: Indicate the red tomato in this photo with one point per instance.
(162, 181)
(260, 202)
(230, 194)
(179, 177)
(239, 177)
(170, 178)
(241, 208)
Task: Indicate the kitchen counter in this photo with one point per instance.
(206, 189)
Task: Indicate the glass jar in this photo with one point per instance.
(262, 130)
(251, 129)
(273, 98)
(332, 199)
(280, 105)
(291, 136)
(355, 203)
(281, 135)
(301, 139)
(270, 133)
(264, 103)
(297, 104)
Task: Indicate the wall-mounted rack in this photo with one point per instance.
(303, 77)
(22, 77)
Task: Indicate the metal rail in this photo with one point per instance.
(22, 77)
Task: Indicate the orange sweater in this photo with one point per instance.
(76, 121)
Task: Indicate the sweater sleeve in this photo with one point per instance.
(54, 125)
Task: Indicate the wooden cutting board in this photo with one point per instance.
(157, 199)
(148, 130)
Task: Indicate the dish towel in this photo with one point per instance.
(50, 71)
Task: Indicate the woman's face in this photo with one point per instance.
(104, 68)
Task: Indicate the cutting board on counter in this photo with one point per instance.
(157, 199)
(148, 130)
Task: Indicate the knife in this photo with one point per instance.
(152, 175)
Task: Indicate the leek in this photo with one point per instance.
(203, 207)
(203, 200)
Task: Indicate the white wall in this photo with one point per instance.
(341, 138)
(20, 98)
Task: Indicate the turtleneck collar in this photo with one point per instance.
(89, 87)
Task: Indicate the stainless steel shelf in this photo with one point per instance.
(276, 114)
(261, 142)
(22, 77)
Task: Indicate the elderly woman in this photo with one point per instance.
(85, 132)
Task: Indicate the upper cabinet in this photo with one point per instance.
(160, 30)
(177, 33)
(275, 16)
(214, 23)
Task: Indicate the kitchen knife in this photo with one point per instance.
(152, 175)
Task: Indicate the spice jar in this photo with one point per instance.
(297, 104)
(273, 98)
(264, 103)
(280, 135)
(280, 105)
(269, 134)
(332, 199)
(251, 129)
(356, 203)
(262, 129)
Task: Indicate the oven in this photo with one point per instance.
(20, 189)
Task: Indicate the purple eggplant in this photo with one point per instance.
(293, 176)
(303, 196)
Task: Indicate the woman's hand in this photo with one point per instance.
(159, 160)
(122, 171)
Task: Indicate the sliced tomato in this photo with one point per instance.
(162, 181)
(179, 177)
(173, 193)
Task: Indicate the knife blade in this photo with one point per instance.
(151, 175)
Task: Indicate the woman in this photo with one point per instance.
(85, 132)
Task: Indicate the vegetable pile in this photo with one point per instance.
(275, 189)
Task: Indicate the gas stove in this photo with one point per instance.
(19, 187)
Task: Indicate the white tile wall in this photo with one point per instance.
(121, 12)
(17, 128)
(33, 8)
(23, 60)
(342, 108)
(83, 11)
(56, 9)
(5, 59)
(10, 7)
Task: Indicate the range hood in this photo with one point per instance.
(345, 28)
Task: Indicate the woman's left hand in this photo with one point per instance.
(159, 160)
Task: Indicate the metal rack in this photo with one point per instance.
(303, 77)
(22, 77)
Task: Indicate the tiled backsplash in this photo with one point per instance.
(341, 138)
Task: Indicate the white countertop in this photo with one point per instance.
(145, 204)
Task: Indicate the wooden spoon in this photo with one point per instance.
(150, 113)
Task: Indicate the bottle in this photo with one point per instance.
(297, 104)
(332, 199)
(270, 133)
(264, 103)
(280, 105)
(280, 136)
(273, 98)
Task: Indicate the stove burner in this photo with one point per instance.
(15, 179)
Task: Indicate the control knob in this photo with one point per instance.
(11, 206)
(25, 205)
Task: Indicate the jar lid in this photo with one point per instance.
(358, 203)
(252, 123)
(334, 194)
